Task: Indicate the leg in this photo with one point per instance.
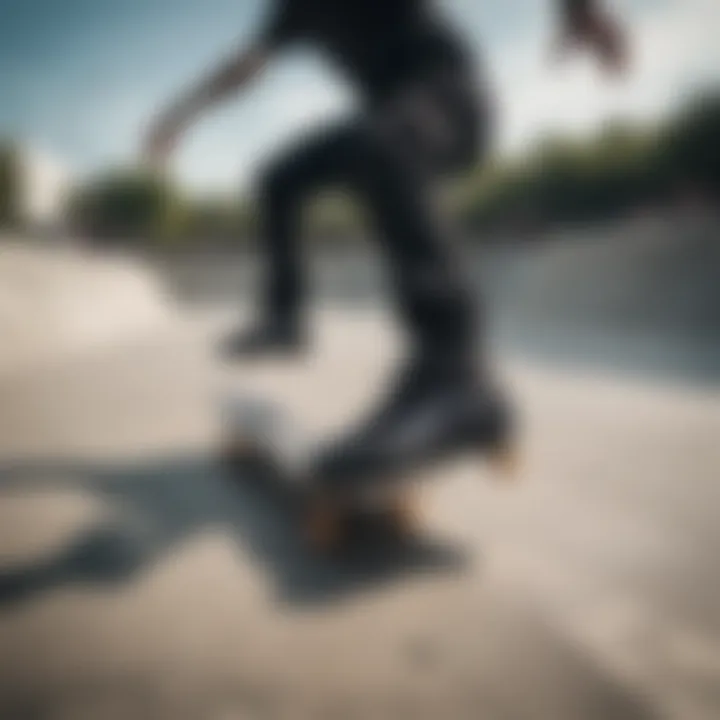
(444, 401)
(386, 157)
(437, 127)
(433, 297)
(285, 186)
(377, 157)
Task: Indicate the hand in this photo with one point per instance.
(601, 35)
(610, 45)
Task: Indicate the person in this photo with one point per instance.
(425, 113)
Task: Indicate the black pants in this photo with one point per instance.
(390, 157)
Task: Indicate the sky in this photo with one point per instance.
(80, 79)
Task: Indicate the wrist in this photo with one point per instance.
(182, 112)
(188, 107)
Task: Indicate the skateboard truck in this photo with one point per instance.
(326, 522)
(257, 430)
(505, 461)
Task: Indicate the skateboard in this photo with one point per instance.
(264, 441)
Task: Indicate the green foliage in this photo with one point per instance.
(559, 181)
(131, 205)
(217, 221)
(334, 217)
(622, 168)
(688, 153)
(10, 189)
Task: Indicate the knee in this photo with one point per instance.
(379, 141)
(377, 160)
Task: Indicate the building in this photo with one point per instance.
(45, 183)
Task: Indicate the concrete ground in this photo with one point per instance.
(137, 581)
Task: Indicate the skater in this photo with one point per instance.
(425, 113)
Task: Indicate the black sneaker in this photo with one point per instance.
(264, 339)
(425, 417)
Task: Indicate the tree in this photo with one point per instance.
(128, 205)
(10, 182)
(217, 220)
(622, 168)
(688, 155)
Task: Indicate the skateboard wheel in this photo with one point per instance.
(403, 513)
(237, 449)
(506, 462)
(323, 525)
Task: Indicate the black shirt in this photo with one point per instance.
(379, 44)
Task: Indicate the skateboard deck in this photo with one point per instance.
(265, 437)
(262, 436)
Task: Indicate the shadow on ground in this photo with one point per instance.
(159, 504)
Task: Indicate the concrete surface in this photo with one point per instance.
(137, 581)
(56, 300)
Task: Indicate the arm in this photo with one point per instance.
(586, 24)
(284, 25)
(229, 77)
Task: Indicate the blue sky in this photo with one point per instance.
(80, 78)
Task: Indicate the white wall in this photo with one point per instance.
(46, 182)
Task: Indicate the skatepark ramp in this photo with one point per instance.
(643, 295)
(56, 301)
(658, 276)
